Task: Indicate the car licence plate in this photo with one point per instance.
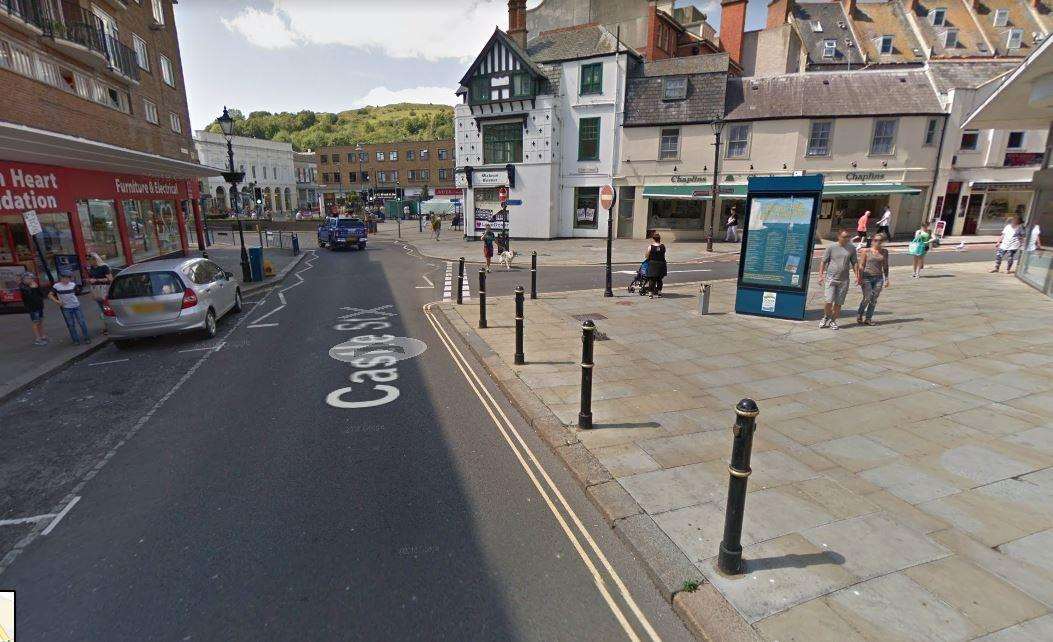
(146, 308)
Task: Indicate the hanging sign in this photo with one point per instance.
(32, 222)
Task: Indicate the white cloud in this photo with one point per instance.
(266, 30)
(385, 96)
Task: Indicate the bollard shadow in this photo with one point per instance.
(897, 321)
(794, 561)
(552, 363)
(640, 424)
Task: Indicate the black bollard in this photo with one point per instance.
(588, 335)
(533, 275)
(482, 298)
(729, 560)
(460, 281)
(709, 242)
(520, 358)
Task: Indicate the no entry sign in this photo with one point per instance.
(607, 197)
(502, 195)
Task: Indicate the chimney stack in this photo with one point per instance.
(732, 27)
(517, 22)
(778, 12)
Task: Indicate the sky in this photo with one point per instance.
(332, 55)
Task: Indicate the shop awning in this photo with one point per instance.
(701, 192)
(31, 145)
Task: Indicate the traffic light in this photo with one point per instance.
(258, 195)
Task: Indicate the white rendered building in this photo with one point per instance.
(268, 166)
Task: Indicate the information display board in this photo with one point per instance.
(777, 242)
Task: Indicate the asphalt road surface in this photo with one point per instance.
(268, 484)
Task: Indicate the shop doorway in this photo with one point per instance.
(973, 210)
(626, 204)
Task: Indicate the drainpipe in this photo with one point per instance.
(936, 174)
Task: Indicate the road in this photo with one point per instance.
(256, 487)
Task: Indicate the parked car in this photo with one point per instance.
(169, 296)
(337, 232)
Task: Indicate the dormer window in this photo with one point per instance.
(817, 26)
(674, 88)
(938, 17)
(950, 39)
(1001, 17)
(886, 44)
(829, 48)
(1014, 39)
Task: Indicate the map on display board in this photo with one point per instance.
(778, 240)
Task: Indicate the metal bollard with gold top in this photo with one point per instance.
(729, 560)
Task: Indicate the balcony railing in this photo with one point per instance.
(79, 26)
(33, 12)
(122, 58)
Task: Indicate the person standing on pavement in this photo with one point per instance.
(488, 245)
(1012, 239)
(33, 296)
(656, 266)
(884, 223)
(873, 270)
(861, 227)
(838, 262)
(919, 247)
(436, 225)
(732, 233)
(64, 293)
(100, 276)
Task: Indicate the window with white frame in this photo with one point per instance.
(1001, 17)
(425, 174)
(674, 88)
(938, 17)
(424, 154)
(5, 54)
(829, 48)
(395, 176)
(950, 39)
(82, 86)
(380, 156)
(142, 53)
(158, 10)
(819, 138)
(166, 71)
(47, 71)
(970, 141)
(442, 174)
(442, 154)
(738, 141)
(932, 130)
(175, 123)
(883, 143)
(382, 177)
(886, 44)
(1014, 39)
(1015, 140)
(150, 111)
(669, 146)
(21, 61)
(393, 156)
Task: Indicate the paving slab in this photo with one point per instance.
(1040, 628)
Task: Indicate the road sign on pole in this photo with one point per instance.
(607, 197)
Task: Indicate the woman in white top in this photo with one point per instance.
(884, 222)
(1012, 238)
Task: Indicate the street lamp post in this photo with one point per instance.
(718, 127)
(361, 171)
(226, 123)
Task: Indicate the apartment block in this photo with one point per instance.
(404, 169)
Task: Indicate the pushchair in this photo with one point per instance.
(639, 281)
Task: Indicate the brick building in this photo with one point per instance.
(403, 169)
(95, 135)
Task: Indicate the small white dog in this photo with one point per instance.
(506, 258)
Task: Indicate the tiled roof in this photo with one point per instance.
(872, 20)
(572, 43)
(970, 40)
(830, 16)
(1019, 16)
(705, 63)
(644, 104)
(816, 95)
(966, 75)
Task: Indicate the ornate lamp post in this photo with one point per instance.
(718, 127)
(226, 123)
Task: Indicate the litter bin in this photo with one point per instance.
(256, 263)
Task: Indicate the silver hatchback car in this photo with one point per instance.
(168, 296)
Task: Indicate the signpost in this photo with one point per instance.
(776, 254)
(607, 198)
(502, 195)
(35, 230)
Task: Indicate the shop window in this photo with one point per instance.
(591, 79)
(819, 138)
(589, 139)
(502, 144)
(98, 224)
(166, 226)
(1016, 140)
(669, 214)
(586, 204)
(738, 141)
(883, 142)
(141, 233)
(970, 140)
(932, 130)
(669, 146)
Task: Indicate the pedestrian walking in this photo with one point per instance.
(33, 296)
(732, 233)
(656, 266)
(839, 260)
(100, 276)
(884, 223)
(919, 247)
(64, 293)
(873, 272)
(1012, 239)
(436, 225)
(488, 245)
(861, 227)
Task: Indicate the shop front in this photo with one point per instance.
(990, 204)
(121, 217)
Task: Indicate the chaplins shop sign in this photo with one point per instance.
(865, 176)
(146, 188)
(22, 190)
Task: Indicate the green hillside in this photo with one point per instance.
(311, 130)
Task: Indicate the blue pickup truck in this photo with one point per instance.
(342, 232)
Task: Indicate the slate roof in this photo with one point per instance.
(704, 63)
(573, 43)
(966, 75)
(831, 16)
(819, 95)
(644, 105)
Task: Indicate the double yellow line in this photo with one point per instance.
(552, 496)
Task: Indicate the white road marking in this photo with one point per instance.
(669, 272)
(262, 325)
(58, 518)
(281, 295)
(215, 348)
(106, 363)
(448, 285)
(425, 277)
(26, 520)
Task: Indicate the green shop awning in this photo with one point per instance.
(701, 192)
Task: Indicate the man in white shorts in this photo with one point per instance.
(839, 260)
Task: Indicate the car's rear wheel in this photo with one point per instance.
(209, 330)
(237, 301)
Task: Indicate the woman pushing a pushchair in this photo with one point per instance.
(649, 277)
